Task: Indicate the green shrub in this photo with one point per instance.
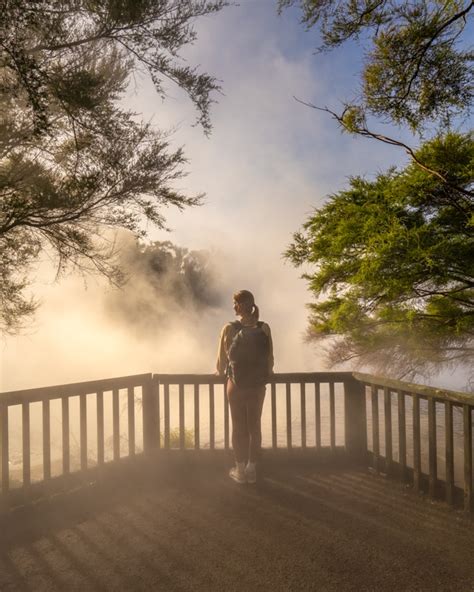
(174, 438)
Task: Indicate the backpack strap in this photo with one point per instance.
(238, 325)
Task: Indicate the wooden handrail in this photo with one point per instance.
(277, 378)
(419, 389)
(93, 386)
(69, 390)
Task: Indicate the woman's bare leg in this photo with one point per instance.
(240, 431)
(255, 401)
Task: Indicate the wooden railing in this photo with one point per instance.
(177, 386)
(365, 418)
(400, 402)
(64, 395)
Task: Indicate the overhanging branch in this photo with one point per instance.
(366, 133)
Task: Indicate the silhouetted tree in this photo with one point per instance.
(165, 283)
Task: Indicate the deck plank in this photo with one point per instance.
(174, 530)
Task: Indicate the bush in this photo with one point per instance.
(174, 438)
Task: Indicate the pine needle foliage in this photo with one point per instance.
(392, 265)
(73, 161)
(418, 67)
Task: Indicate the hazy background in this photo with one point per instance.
(268, 163)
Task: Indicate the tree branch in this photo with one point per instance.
(429, 43)
(365, 132)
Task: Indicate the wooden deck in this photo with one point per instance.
(189, 528)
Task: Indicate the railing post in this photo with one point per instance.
(274, 416)
(116, 423)
(449, 451)
(467, 424)
(402, 435)
(416, 443)
(4, 470)
(151, 433)
(355, 420)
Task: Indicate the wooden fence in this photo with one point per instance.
(65, 394)
(165, 383)
(395, 396)
(348, 403)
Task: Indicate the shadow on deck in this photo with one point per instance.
(192, 529)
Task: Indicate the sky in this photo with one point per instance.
(267, 164)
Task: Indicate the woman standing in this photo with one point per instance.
(245, 357)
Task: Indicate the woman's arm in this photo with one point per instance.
(222, 361)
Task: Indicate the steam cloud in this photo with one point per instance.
(166, 286)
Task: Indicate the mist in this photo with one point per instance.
(268, 163)
(87, 329)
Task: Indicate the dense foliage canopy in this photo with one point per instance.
(392, 265)
(73, 161)
(391, 259)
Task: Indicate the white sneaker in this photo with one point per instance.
(238, 475)
(250, 474)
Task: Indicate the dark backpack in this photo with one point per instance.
(248, 356)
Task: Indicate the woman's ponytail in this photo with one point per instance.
(255, 312)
